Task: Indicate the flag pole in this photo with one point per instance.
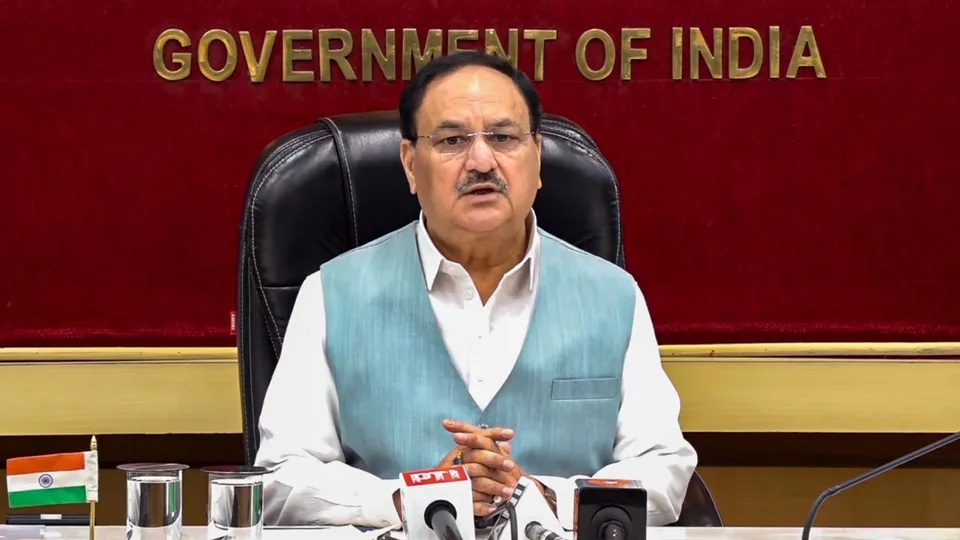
(93, 504)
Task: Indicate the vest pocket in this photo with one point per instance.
(595, 388)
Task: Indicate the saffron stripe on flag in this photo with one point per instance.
(50, 463)
(41, 497)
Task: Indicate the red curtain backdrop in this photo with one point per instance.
(753, 210)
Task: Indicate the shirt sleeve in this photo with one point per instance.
(299, 435)
(650, 447)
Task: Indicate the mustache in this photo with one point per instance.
(474, 178)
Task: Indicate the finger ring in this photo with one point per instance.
(497, 500)
(483, 426)
(459, 459)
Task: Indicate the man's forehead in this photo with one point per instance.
(470, 96)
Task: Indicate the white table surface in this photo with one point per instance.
(653, 533)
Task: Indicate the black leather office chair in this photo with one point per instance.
(699, 509)
(337, 184)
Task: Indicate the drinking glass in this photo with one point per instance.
(154, 500)
(235, 502)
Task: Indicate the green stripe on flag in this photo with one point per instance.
(41, 497)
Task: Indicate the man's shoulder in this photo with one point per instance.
(361, 254)
(588, 264)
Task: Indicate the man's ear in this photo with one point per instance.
(407, 152)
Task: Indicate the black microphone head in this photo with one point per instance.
(607, 516)
(437, 506)
(600, 503)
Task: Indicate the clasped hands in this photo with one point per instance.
(485, 454)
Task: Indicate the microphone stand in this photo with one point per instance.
(871, 474)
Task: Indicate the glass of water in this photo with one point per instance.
(154, 500)
(235, 502)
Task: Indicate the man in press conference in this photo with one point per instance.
(468, 336)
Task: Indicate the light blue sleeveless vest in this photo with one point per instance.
(396, 381)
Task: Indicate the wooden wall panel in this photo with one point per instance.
(197, 391)
(781, 496)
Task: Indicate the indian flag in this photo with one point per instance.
(53, 479)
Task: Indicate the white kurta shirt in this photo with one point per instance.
(299, 424)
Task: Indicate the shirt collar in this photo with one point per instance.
(432, 260)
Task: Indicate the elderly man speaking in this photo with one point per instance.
(401, 352)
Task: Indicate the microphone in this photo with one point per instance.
(535, 531)
(610, 510)
(526, 512)
(441, 516)
(871, 474)
(610, 523)
(437, 504)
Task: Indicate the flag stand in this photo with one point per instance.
(93, 504)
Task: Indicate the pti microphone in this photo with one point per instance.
(871, 474)
(609, 510)
(437, 503)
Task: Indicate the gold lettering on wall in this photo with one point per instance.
(293, 54)
(203, 55)
(339, 54)
(712, 58)
(413, 55)
(806, 53)
(627, 53)
(774, 52)
(179, 58)
(806, 40)
(540, 39)
(609, 54)
(455, 36)
(492, 44)
(304, 60)
(386, 58)
(735, 70)
(257, 63)
(676, 53)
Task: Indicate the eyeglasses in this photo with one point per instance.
(452, 142)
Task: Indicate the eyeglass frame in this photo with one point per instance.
(471, 136)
